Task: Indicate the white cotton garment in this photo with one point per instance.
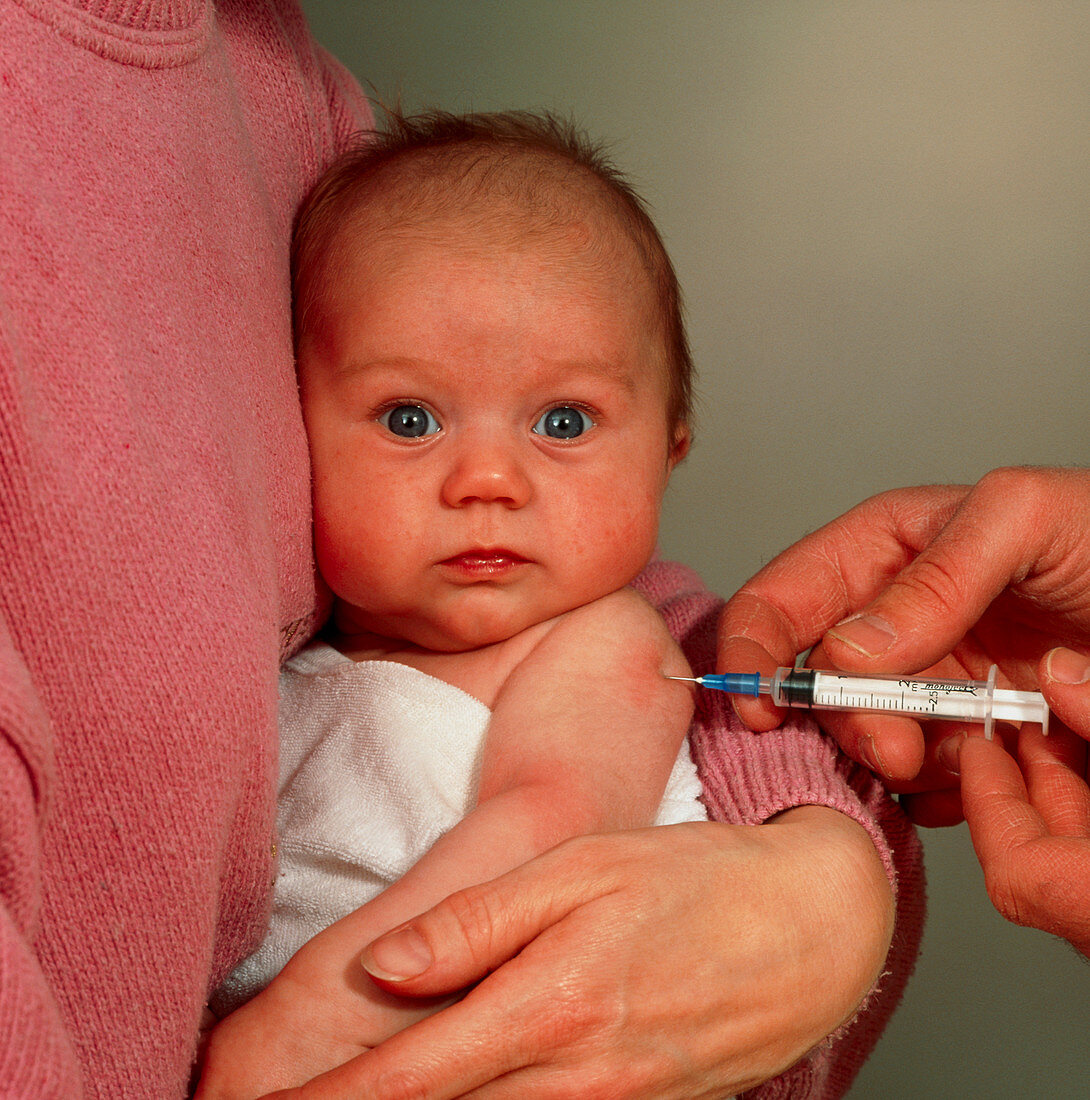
(377, 761)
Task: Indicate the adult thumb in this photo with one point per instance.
(472, 932)
(1065, 682)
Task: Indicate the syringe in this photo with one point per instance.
(918, 697)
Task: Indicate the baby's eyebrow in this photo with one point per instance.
(394, 364)
(622, 374)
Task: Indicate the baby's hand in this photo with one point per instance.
(319, 1012)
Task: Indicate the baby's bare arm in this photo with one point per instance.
(587, 727)
(583, 736)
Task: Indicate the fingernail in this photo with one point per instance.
(871, 756)
(947, 753)
(1065, 666)
(398, 956)
(867, 634)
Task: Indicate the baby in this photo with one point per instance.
(496, 386)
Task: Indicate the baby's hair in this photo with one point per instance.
(437, 161)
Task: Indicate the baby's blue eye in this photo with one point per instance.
(563, 423)
(410, 421)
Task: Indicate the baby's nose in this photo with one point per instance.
(489, 471)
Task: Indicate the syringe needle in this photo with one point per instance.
(736, 683)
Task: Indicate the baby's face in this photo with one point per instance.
(488, 434)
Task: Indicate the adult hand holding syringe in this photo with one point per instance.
(950, 580)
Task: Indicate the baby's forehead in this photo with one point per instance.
(413, 212)
(491, 192)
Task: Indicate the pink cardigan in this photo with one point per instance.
(155, 560)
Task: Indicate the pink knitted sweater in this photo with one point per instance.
(155, 559)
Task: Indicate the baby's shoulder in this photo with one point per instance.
(621, 613)
(621, 630)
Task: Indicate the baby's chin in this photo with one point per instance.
(472, 620)
(440, 640)
(478, 633)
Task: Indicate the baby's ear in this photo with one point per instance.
(679, 446)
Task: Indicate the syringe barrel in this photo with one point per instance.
(920, 697)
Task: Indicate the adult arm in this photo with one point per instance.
(655, 963)
(36, 1056)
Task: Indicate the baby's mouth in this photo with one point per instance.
(484, 563)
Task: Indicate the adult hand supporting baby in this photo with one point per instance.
(685, 961)
(954, 579)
